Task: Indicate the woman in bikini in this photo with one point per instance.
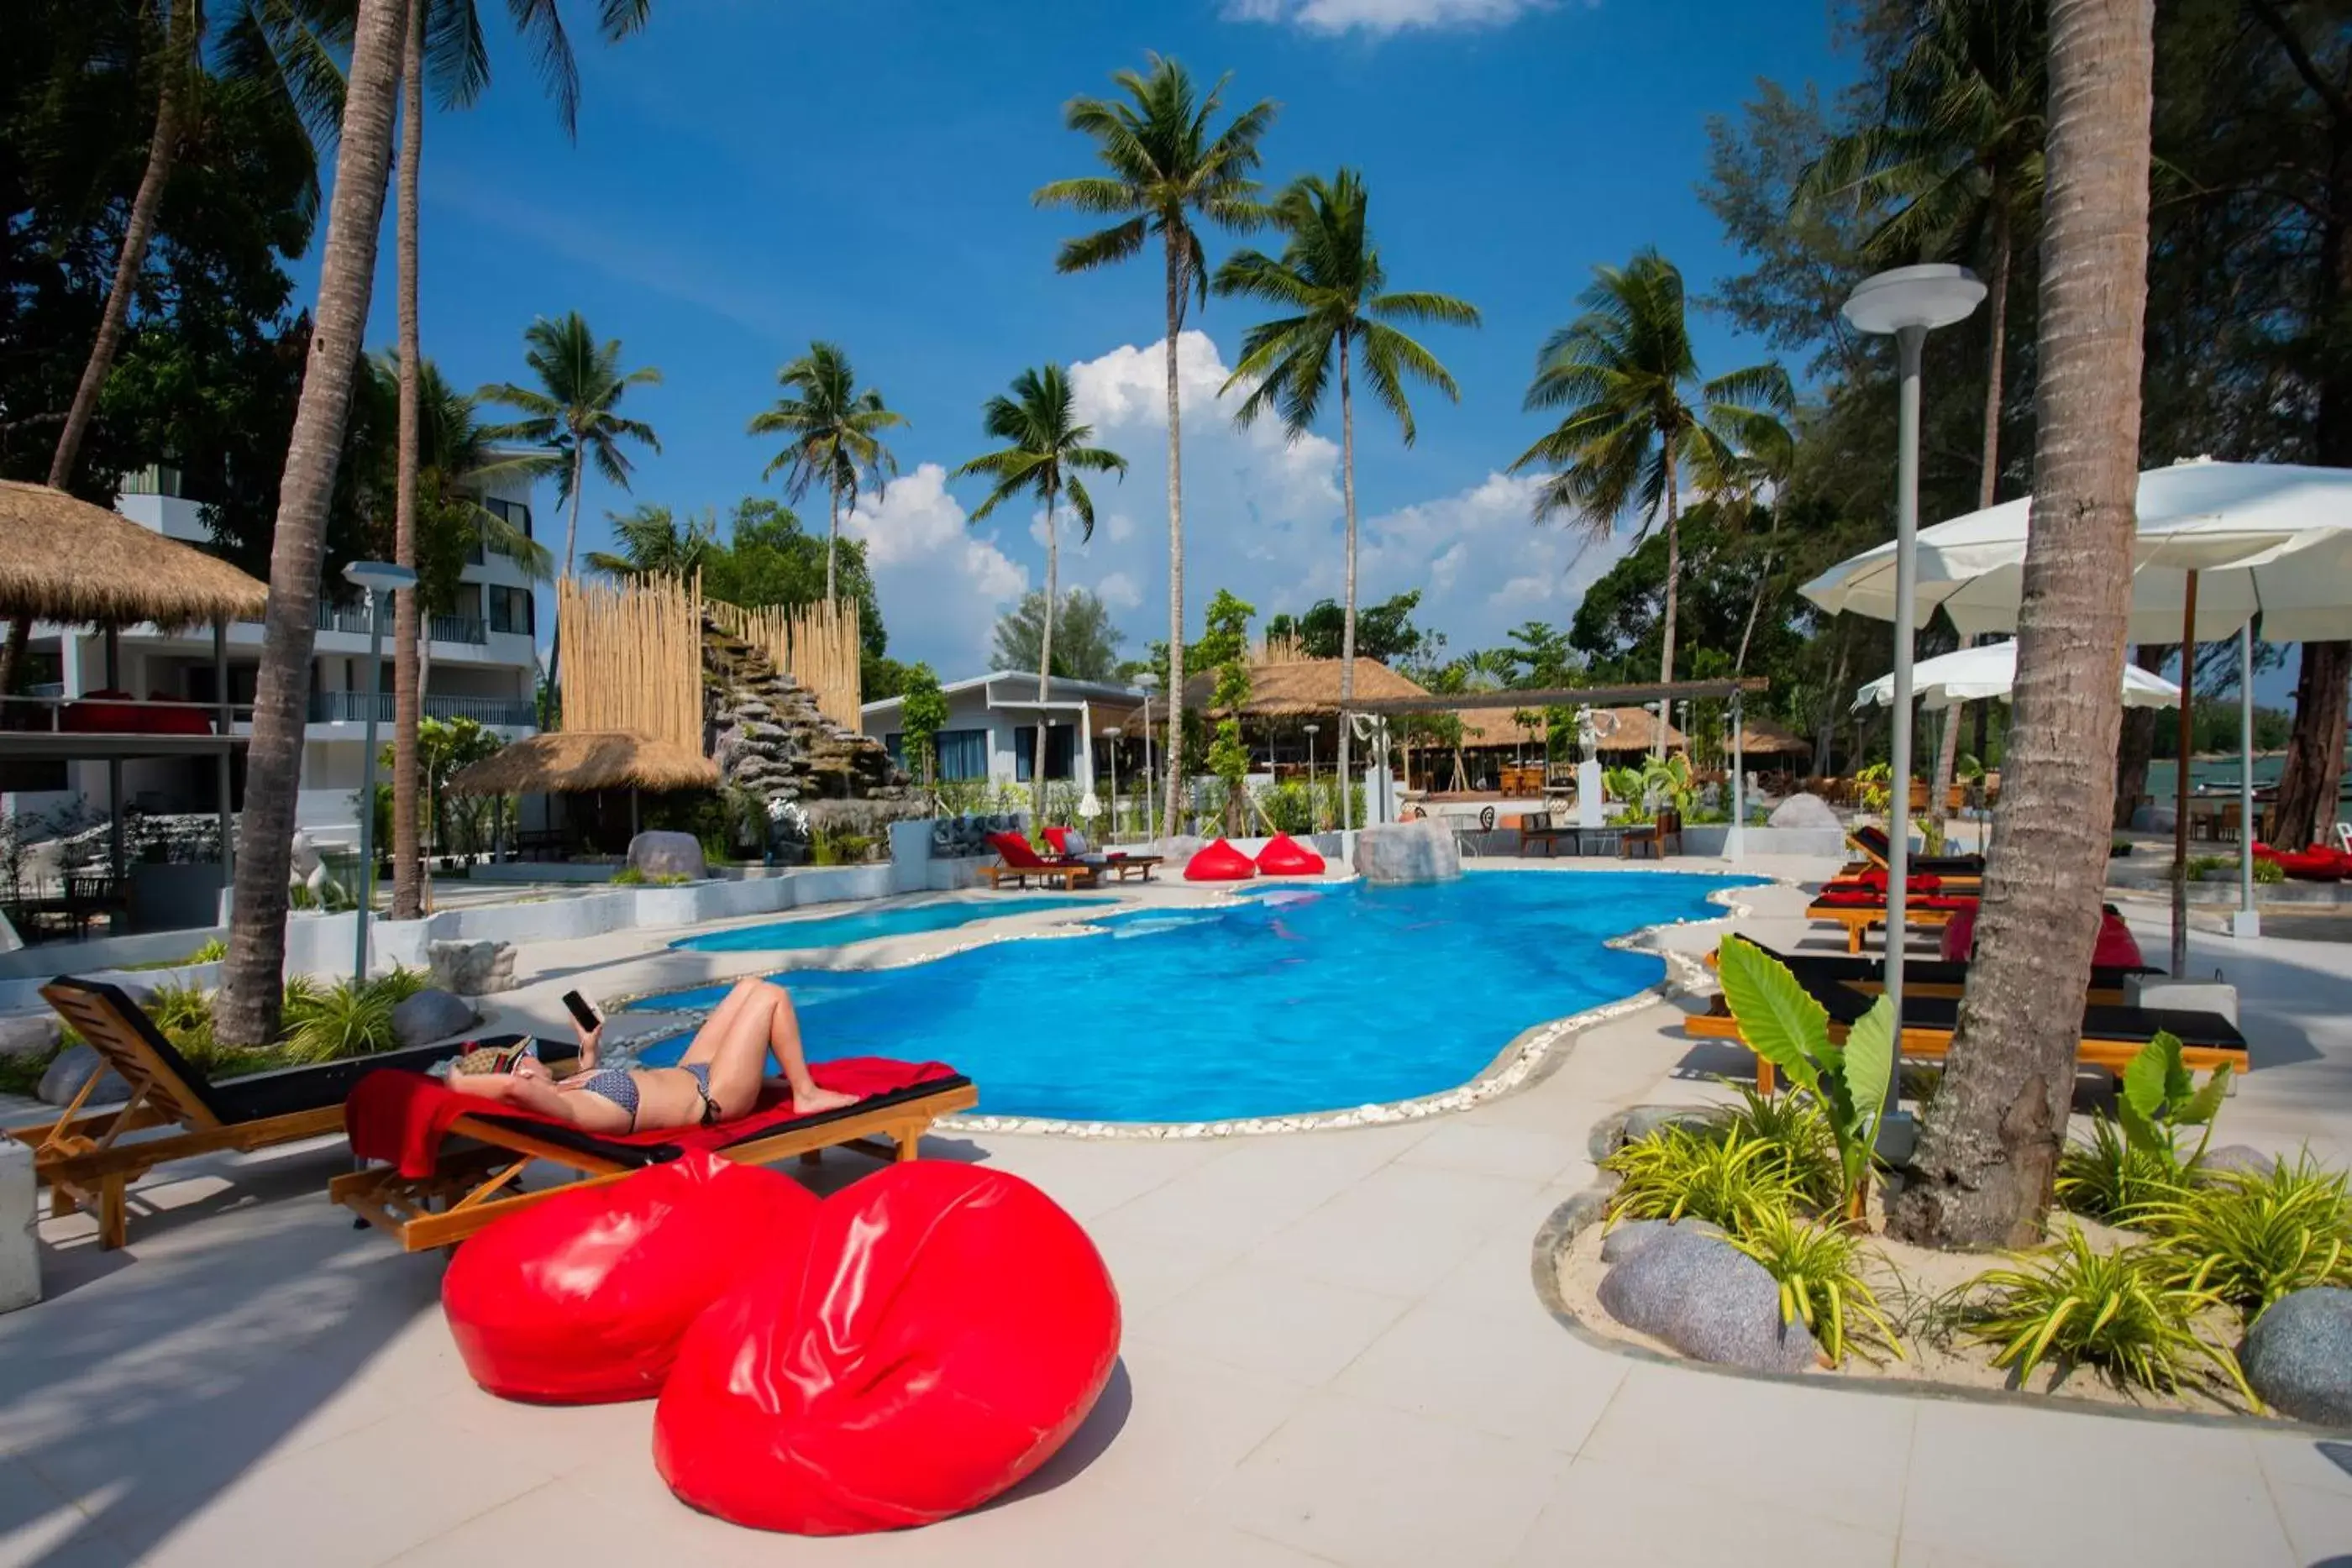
(717, 1079)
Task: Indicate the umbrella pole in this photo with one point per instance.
(2247, 923)
(2181, 781)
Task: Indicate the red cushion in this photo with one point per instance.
(1874, 879)
(2118, 949)
(1286, 856)
(1220, 862)
(583, 1297)
(946, 1329)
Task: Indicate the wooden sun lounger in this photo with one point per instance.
(1924, 977)
(480, 1174)
(1859, 919)
(90, 1160)
(1127, 866)
(2111, 1036)
(1072, 875)
(1873, 844)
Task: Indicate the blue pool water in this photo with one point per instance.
(907, 920)
(1294, 1000)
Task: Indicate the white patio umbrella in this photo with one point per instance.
(1988, 671)
(2217, 544)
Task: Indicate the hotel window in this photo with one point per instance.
(1061, 751)
(963, 753)
(511, 609)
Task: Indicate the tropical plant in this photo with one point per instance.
(653, 543)
(1818, 1271)
(1780, 1021)
(339, 1020)
(1165, 164)
(922, 713)
(2116, 1311)
(1984, 1167)
(2250, 1237)
(1331, 278)
(1635, 410)
(832, 436)
(1045, 455)
(574, 410)
(2156, 1096)
(2110, 1178)
(1666, 781)
(1795, 1127)
(246, 1011)
(1700, 1173)
(1085, 639)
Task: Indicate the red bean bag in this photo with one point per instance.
(584, 1299)
(2317, 863)
(945, 1330)
(1286, 856)
(2118, 949)
(1219, 862)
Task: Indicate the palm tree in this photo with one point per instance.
(1989, 1150)
(1044, 455)
(831, 435)
(444, 37)
(574, 410)
(1956, 150)
(1636, 410)
(654, 544)
(1330, 273)
(1166, 164)
(246, 1011)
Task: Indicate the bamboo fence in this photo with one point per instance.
(632, 656)
(816, 644)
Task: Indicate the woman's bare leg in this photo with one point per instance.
(763, 1027)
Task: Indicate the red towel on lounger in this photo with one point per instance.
(400, 1118)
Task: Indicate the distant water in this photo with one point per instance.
(2221, 774)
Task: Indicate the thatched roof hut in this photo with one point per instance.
(1636, 730)
(63, 559)
(1488, 726)
(578, 761)
(1763, 736)
(1300, 688)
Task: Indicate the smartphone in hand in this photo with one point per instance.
(579, 1010)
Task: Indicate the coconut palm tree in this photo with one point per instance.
(1045, 455)
(1988, 1150)
(1167, 164)
(1329, 276)
(1955, 150)
(832, 436)
(246, 1011)
(655, 544)
(575, 412)
(444, 40)
(1636, 410)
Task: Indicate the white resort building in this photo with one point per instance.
(482, 665)
(992, 727)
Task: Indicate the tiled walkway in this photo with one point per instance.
(1334, 1353)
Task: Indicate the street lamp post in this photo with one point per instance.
(1909, 302)
(1150, 817)
(1311, 774)
(1110, 745)
(378, 580)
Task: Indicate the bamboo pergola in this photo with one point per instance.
(816, 644)
(633, 657)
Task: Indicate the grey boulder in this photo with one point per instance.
(28, 1034)
(1400, 853)
(1707, 1300)
(1632, 1235)
(74, 1066)
(658, 853)
(428, 1016)
(471, 968)
(1804, 812)
(2298, 1355)
(2238, 1159)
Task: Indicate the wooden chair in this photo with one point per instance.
(1652, 837)
(1535, 828)
(1017, 862)
(89, 1160)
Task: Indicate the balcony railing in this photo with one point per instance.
(445, 629)
(459, 629)
(351, 708)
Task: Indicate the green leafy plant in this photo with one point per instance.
(2200, 866)
(1625, 784)
(2110, 1178)
(2269, 874)
(1874, 786)
(628, 876)
(1785, 1026)
(1700, 1174)
(1794, 1126)
(2249, 1238)
(211, 952)
(1819, 1267)
(2156, 1096)
(325, 1023)
(2119, 1311)
(21, 1073)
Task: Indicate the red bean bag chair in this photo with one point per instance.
(945, 1330)
(1286, 856)
(2118, 949)
(2317, 863)
(1219, 862)
(584, 1299)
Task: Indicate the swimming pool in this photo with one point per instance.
(1297, 999)
(906, 920)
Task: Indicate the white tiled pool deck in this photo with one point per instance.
(1334, 1353)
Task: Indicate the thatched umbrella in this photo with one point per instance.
(67, 560)
(1301, 688)
(583, 761)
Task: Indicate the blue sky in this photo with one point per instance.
(751, 175)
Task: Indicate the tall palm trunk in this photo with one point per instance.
(1348, 616)
(163, 149)
(1990, 1150)
(1674, 594)
(832, 536)
(1045, 650)
(1176, 540)
(407, 669)
(571, 522)
(246, 1011)
(1756, 600)
(1989, 458)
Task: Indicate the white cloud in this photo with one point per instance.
(1382, 18)
(1481, 565)
(1118, 590)
(941, 584)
